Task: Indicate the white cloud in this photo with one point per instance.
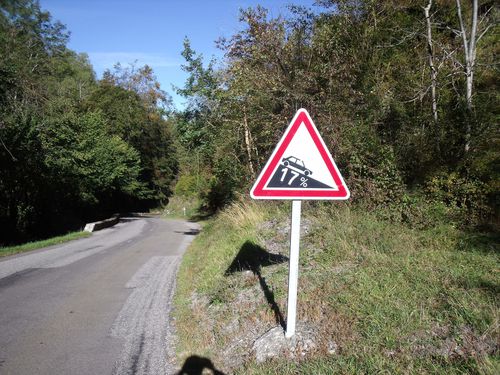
(106, 60)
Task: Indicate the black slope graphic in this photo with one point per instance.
(289, 176)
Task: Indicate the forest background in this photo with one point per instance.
(404, 94)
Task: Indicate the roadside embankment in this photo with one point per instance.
(374, 296)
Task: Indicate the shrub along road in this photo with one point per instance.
(98, 305)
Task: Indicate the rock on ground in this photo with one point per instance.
(274, 343)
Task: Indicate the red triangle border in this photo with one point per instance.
(260, 192)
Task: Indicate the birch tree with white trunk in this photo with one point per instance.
(431, 58)
(470, 38)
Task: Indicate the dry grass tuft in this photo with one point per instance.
(243, 214)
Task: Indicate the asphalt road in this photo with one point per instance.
(98, 305)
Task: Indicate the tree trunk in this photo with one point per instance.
(248, 142)
(430, 50)
(470, 60)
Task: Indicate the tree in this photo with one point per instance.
(380, 79)
(432, 66)
(73, 149)
(470, 37)
(143, 128)
(86, 161)
(144, 83)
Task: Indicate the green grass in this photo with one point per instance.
(394, 299)
(11, 250)
(180, 207)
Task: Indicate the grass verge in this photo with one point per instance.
(179, 207)
(11, 250)
(377, 296)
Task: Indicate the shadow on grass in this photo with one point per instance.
(489, 287)
(200, 216)
(252, 257)
(196, 365)
(202, 213)
(486, 243)
(481, 284)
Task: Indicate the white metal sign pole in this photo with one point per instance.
(293, 274)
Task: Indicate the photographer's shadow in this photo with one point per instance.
(195, 365)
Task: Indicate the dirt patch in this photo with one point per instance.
(464, 343)
(275, 234)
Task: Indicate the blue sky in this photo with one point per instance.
(152, 31)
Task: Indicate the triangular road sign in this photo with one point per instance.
(301, 167)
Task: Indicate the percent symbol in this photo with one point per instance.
(303, 182)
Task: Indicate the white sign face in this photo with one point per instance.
(302, 148)
(301, 167)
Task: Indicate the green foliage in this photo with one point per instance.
(143, 82)
(223, 185)
(187, 186)
(72, 149)
(201, 82)
(467, 197)
(184, 207)
(131, 117)
(361, 68)
(79, 149)
(373, 174)
(123, 109)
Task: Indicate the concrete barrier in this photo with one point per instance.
(98, 225)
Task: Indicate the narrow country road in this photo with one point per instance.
(98, 305)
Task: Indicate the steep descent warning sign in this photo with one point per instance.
(301, 167)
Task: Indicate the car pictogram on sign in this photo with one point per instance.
(296, 164)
